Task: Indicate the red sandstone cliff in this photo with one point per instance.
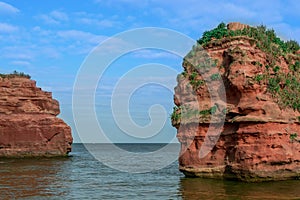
(28, 122)
(260, 136)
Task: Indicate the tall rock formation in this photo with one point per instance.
(28, 123)
(239, 96)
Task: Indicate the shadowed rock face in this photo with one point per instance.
(260, 139)
(28, 122)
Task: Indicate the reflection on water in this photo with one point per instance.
(83, 177)
(30, 177)
(196, 188)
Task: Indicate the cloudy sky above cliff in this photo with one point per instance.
(50, 39)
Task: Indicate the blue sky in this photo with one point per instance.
(50, 39)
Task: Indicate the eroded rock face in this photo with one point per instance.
(236, 26)
(28, 122)
(260, 139)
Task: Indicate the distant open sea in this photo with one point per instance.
(81, 176)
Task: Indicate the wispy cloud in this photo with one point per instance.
(6, 8)
(55, 17)
(7, 28)
(80, 42)
(20, 63)
(18, 52)
(122, 3)
(81, 36)
(287, 32)
(50, 52)
(58, 15)
(97, 20)
(152, 54)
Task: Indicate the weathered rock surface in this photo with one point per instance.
(237, 26)
(259, 140)
(28, 122)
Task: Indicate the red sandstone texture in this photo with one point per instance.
(237, 26)
(28, 122)
(259, 140)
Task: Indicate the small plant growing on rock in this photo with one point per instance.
(15, 74)
(193, 76)
(258, 77)
(295, 67)
(293, 137)
(276, 69)
(267, 39)
(215, 77)
(210, 111)
(282, 85)
(175, 116)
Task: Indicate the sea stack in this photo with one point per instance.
(259, 76)
(28, 123)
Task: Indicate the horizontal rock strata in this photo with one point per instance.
(259, 139)
(28, 122)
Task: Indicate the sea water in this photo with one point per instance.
(81, 176)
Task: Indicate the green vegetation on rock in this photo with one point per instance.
(285, 87)
(293, 136)
(15, 74)
(266, 38)
(188, 113)
(215, 77)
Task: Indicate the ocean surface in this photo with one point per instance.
(81, 176)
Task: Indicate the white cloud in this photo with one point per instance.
(7, 28)
(55, 17)
(59, 15)
(152, 54)
(7, 8)
(97, 20)
(18, 52)
(79, 42)
(286, 31)
(50, 52)
(122, 2)
(88, 15)
(20, 63)
(18, 55)
(42, 32)
(106, 23)
(81, 36)
(48, 19)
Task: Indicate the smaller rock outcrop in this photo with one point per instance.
(237, 26)
(28, 122)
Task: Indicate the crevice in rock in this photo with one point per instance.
(49, 139)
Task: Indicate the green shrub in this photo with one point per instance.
(175, 116)
(193, 76)
(295, 67)
(215, 77)
(218, 33)
(273, 85)
(284, 87)
(267, 39)
(293, 136)
(15, 74)
(213, 109)
(259, 77)
(276, 69)
(210, 111)
(292, 46)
